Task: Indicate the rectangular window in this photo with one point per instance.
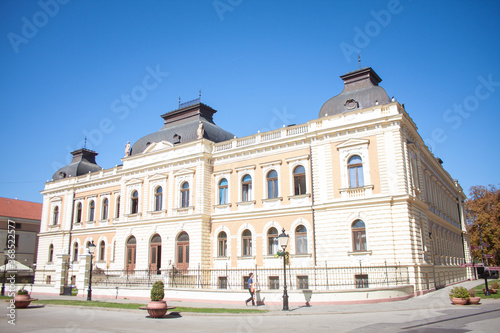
(303, 282)
(273, 245)
(361, 280)
(222, 247)
(245, 193)
(180, 257)
(222, 283)
(247, 246)
(245, 282)
(274, 282)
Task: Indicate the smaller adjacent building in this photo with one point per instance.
(19, 225)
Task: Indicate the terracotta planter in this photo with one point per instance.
(459, 301)
(22, 301)
(474, 300)
(157, 309)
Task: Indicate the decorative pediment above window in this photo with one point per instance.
(222, 172)
(269, 164)
(183, 172)
(352, 143)
(155, 146)
(158, 176)
(134, 181)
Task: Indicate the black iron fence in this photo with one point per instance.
(319, 278)
(17, 276)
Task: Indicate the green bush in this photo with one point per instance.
(158, 292)
(472, 293)
(459, 292)
(22, 291)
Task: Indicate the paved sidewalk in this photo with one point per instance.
(434, 300)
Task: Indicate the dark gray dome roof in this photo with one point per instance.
(361, 90)
(83, 162)
(181, 126)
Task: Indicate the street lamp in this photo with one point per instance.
(6, 253)
(283, 242)
(487, 292)
(91, 248)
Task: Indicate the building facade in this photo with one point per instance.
(19, 227)
(355, 186)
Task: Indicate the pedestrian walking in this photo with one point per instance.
(251, 289)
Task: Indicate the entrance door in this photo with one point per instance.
(131, 244)
(155, 255)
(183, 251)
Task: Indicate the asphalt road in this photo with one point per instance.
(481, 318)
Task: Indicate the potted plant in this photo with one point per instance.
(473, 299)
(22, 299)
(494, 287)
(459, 295)
(157, 308)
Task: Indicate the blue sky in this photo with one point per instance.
(66, 68)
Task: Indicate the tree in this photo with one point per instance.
(482, 210)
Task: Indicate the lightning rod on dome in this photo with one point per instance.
(359, 60)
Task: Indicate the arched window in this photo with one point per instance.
(246, 188)
(102, 250)
(355, 167)
(91, 210)
(301, 239)
(272, 184)
(158, 198)
(358, 236)
(117, 207)
(246, 241)
(185, 195)
(134, 204)
(104, 210)
(51, 253)
(223, 191)
(55, 217)
(272, 241)
(222, 244)
(79, 212)
(299, 180)
(75, 252)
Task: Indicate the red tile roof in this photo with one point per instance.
(20, 209)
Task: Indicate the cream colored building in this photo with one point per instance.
(355, 186)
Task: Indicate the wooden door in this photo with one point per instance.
(131, 245)
(155, 255)
(183, 251)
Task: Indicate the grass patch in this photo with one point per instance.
(480, 293)
(135, 306)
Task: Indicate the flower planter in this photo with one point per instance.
(474, 300)
(22, 301)
(459, 301)
(157, 309)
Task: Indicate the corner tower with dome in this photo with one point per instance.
(363, 200)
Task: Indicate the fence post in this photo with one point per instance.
(199, 276)
(326, 272)
(386, 273)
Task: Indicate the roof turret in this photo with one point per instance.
(361, 90)
(83, 162)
